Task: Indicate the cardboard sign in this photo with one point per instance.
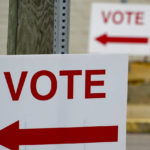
(63, 102)
(120, 28)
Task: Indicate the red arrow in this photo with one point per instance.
(104, 39)
(12, 137)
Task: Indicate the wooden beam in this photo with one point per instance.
(33, 27)
(12, 27)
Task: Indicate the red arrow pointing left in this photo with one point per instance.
(12, 137)
(104, 39)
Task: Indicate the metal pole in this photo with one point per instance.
(124, 1)
(61, 26)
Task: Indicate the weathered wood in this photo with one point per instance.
(12, 27)
(35, 27)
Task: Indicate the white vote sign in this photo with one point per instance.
(63, 102)
(120, 28)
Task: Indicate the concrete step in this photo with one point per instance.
(138, 119)
(139, 83)
(138, 111)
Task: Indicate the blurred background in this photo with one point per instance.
(138, 114)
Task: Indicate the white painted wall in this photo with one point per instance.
(3, 25)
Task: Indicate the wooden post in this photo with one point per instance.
(12, 27)
(31, 27)
(124, 1)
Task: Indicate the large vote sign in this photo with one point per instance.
(63, 102)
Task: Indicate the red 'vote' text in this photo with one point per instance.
(68, 74)
(120, 17)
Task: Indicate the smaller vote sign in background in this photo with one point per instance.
(63, 102)
(120, 28)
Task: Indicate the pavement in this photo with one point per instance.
(138, 142)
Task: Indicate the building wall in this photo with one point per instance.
(80, 24)
(3, 25)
